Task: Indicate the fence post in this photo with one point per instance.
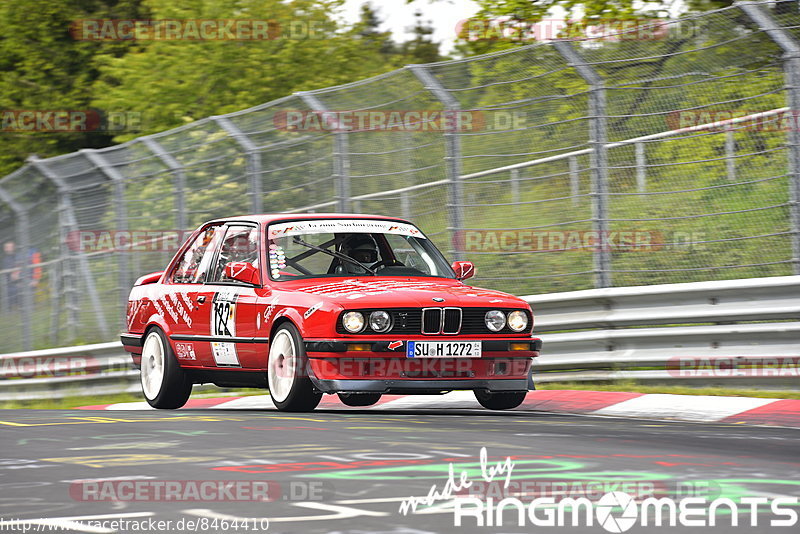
(71, 223)
(180, 180)
(641, 167)
(452, 157)
(791, 72)
(24, 243)
(574, 180)
(598, 157)
(341, 154)
(515, 188)
(730, 155)
(253, 159)
(124, 275)
(405, 205)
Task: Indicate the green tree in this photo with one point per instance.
(43, 68)
(174, 82)
(421, 48)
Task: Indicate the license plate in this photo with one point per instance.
(443, 349)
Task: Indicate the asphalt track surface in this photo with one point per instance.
(347, 471)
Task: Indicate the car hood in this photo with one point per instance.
(376, 292)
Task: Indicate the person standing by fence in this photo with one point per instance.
(12, 274)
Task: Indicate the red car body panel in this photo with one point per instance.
(185, 312)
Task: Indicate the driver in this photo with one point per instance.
(360, 247)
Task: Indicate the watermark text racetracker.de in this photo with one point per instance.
(109, 523)
(96, 241)
(399, 120)
(155, 490)
(614, 511)
(734, 366)
(69, 121)
(601, 29)
(625, 240)
(175, 491)
(198, 29)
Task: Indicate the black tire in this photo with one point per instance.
(296, 392)
(174, 388)
(359, 399)
(500, 400)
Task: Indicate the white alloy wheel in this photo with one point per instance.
(153, 367)
(282, 366)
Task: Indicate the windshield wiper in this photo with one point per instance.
(335, 254)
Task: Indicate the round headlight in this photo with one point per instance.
(380, 321)
(353, 321)
(517, 320)
(495, 320)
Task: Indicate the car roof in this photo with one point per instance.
(266, 218)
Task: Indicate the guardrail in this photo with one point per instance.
(728, 333)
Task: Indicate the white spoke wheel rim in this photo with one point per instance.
(282, 366)
(152, 366)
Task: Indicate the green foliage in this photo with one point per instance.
(169, 83)
(43, 68)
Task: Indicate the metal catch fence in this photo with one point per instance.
(670, 156)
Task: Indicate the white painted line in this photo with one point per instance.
(683, 407)
(454, 399)
(337, 512)
(130, 406)
(253, 402)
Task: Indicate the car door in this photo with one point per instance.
(233, 303)
(184, 302)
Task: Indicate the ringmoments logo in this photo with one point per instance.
(619, 512)
(606, 507)
(614, 511)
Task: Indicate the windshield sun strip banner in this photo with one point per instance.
(363, 226)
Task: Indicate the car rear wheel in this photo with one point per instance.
(500, 400)
(289, 386)
(164, 384)
(359, 399)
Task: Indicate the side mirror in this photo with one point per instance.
(151, 278)
(463, 269)
(242, 271)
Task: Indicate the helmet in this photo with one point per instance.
(360, 247)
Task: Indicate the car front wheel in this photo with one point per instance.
(164, 384)
(289, 386)
(500, 400)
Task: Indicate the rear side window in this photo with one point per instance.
(193, 265)
(240, 244)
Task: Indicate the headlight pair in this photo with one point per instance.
(496, 320)
(379, 321)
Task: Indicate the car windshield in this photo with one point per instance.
(351, 247)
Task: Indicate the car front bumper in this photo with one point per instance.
(371, 366)
(487, 345)
(417, 387)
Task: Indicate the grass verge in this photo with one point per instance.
(91, 400)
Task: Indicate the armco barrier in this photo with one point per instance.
(731, 333)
